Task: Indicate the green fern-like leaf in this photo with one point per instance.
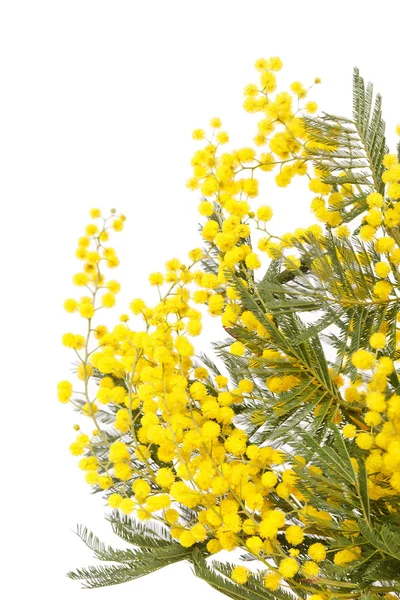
(350, 151)
(153, 549)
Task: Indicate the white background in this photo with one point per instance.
(97, 104)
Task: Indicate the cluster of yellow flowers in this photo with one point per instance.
(171, 442)
(380, 433)
(228, 178)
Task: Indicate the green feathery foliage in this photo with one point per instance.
(353, 149)
(152, 550)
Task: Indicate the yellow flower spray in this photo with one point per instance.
(210, 457)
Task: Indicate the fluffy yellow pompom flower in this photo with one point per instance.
(269, 479)
(137, 306)
(310, 568)
(317, 552)
(236, 443)
(216, 304)
(389, 160)
(311, 107)
(375, 199)
(374, 217)
(365, 441)
(215, 122)
(91, 229)
(113, 286)
(64, 391)
(214, 546)
(383, 289)
(86, 310)
(210, 430)
(222, 137)
(108, 300)
(298, 89)
(372, 418)
(156, 278)
(141, 489)
(288, 567)
(118, 452)
(187, 539)
(254, 544)
(70, 305)
(250, 187)
(198, 134)
(92, 477)
(183, 346)
(73, 341)
(118, 225)
(237, 348)
(367, 233)
(126, 506)
(294, 535)
(252, 261)
(209, 186)
(210, 230)
(171, 516)
(240, 575)
(349, 431)
(80, 279)
(165, 477)
(362, 359)
(382, 269)
(384, 245)
(275, 63)
(114, 500)
(376, 401)
(264, 213)
(206, 209)
(261, 64)
(272, 581)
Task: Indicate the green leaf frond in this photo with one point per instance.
(304, 359)
(153, 549)
(350, 151)
(150, 535)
